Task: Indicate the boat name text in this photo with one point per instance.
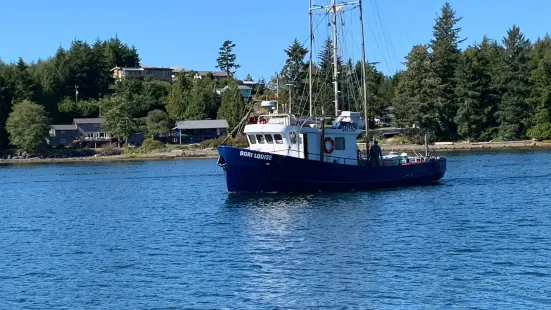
(255, 155)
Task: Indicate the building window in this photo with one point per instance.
(260, 139)
(339, 144)
(252, 139)
(269, 139)
(63, 131)
(278, 139)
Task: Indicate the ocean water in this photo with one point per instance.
(165, 234)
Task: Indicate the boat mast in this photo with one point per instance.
(363, 70)
(335, 57)
(310, 64)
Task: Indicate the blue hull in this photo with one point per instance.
(253, 172)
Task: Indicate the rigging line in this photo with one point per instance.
(281, 65)
(238, 125)
(380, 31)
(376, 43)
(303, 43)
(387, 32)
(378, 46)
(347, 76)
(386, 37)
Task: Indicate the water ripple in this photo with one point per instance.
(163, 235)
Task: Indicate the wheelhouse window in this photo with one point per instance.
(260, 139)
(339, 144)
(293, 137)
(252, 139)
(278, 138)
(269, 139)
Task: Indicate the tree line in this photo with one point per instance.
(77, 82)
(492, 90)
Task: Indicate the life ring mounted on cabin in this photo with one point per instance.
(331, 147)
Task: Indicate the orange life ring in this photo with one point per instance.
(332, 148)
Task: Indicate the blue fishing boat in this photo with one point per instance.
(287, 153)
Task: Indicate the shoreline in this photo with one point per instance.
(466, 146)
(154, 156)
(212, 153)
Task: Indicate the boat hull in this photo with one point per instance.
(253, 172)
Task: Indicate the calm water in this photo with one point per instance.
(143, 235)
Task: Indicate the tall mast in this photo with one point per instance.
(363, 69)
(335, 57)
(333, 9)
(310, 64)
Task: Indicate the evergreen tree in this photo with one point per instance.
(158, 123)
(178, 99)
(444, 58)
(540, 81)
(232, 108)
(295, 68)
(490, 57)
(5, 108)
(416, 97)
(118, 117)
(197, 105)
(323, 81)
(468, 91)
(513, 110)
(248, 78)
(294, 73)
(373, 81)
(226, 60)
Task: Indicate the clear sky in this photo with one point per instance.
(188, 33)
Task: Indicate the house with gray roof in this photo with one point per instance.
(195, 131)
(155, 73)
(217, 75)
(84, 132)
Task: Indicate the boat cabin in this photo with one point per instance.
(283, 134)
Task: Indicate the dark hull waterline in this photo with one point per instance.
(249, 171)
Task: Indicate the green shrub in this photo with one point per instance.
(239, 141)
(402, 139)
(109, 150)
(149, 145)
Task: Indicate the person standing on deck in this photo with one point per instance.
(375, 154)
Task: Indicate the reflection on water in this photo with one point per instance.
(166, 234)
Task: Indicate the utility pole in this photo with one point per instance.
(76, 93)
(290, 87)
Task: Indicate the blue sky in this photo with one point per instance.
(188, 33)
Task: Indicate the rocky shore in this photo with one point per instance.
(467, 146)
(118, 155)
(91, 156)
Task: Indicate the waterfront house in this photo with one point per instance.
(216, 75)
(155, 73)
(62, 135)
(246, 91)
(195, 131)
(84, 132)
